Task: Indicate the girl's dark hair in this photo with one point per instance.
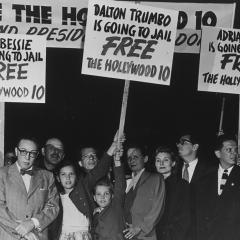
(65, 163)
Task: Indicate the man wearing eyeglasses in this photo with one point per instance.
(28, 196)
(218, 195)
(191, 168)
(88, 158)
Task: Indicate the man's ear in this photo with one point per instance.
(145, 159)
(43, 151)
(16, 151)
(217, 153)
(195, 147)
(94, 198)
(173, 164)
(58, 179)
(80, 163)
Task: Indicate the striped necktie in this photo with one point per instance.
(223, 180)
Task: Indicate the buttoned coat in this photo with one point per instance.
(16, 204)
(148, 205)
(218, 216)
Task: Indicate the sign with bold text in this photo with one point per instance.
(62, 23)
(192, 17)
(129, 41)
(22, 68)
(219, 69)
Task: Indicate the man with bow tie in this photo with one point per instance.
(218, 195)
(28, 196)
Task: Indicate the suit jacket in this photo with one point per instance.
(218, 217)
(175, 221)
(81, 195)
(148, 204)
(110, 222)
(202, 168)
(41, 201)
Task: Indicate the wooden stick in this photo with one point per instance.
(220, 130)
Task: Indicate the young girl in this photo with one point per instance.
(73, 224)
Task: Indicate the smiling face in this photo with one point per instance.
(67, 178)
(88, 158)
(26, 153)
(227, 155)
(164, 163)
(103, 196)
(136, 160)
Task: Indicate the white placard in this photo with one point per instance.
(129, 41)
(192, 16)
(219, 69)
(62, 22)
(22, 68)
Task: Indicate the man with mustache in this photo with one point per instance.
(53, 153)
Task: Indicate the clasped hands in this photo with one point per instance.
(24, 229)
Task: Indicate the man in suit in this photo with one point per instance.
(218, 196)
(28, 196)
(144, 199)
(191, 168)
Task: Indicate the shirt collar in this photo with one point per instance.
(221, 170)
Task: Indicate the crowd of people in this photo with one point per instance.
(46, 196)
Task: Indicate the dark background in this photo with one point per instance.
(83, 109)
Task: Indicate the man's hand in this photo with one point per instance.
(111, 151)
(25, 227)
(31, 236)
(131, 231)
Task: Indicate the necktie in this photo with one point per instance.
(24, 171)
(185, 172)
(223, 180)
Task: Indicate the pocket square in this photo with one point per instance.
(42, 189)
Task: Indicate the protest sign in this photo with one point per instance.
(219, 69)
(61, 22)
(192, 16)
(22, 68)
(129, 41)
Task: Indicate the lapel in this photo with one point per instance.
(142, 179)
(16, 178)
(232, 180)
(199, 169)
(36, 180)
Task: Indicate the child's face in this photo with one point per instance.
(67, 177)
(103, 196)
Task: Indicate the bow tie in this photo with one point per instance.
(29, 172)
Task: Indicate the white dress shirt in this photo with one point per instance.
(220, 173)
(27, 180)
(134, 180)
